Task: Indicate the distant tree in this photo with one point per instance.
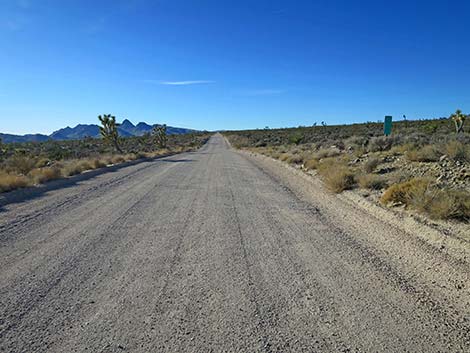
(266, 127)
(109, 131)
(459, 120)
(323, 123)
(160, 136)
(314, 124)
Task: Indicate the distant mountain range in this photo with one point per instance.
(126, 129)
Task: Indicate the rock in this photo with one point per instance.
(442, 158)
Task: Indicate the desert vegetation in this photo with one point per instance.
(423, 166)
(33, 163)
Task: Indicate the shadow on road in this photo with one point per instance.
(177, 160)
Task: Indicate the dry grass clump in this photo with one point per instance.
(428, 153)
(372, 181)
(406, 192)
(457, 151)
(447, 204)
(76, 167)
(422, 195)
(284, 156)
(311, 164)
(356, 142)
(371, 164)
(117, 159)
(42, 175)
(98, 163)
(383, 143)
(326, 153)
(337, 177)
(11, 181)
(295, 159)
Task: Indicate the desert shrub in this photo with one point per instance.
(21, 164)
(372, 181)
(402, 148)
(383, 143)
(140, 155)
(11, 181)
(311, 164)
(371, 164)
(77, 167)
(284, 157)
(356, 142)
(117, 159)
(42, 162)
(274, 154)
(457, 151)
(406, 192)
(296, 139)
(415, 139)
(41, 175)
(295, 159)
(98, 163)
(130, 157)
(428, 153)
(326, 153)
(360, 151)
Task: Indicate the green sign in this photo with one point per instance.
(388, 125)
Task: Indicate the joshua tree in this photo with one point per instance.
(109, 130)
(159, 134)
(459, 119)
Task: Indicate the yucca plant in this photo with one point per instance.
(459, 120)
(160, 136)
(109, 130)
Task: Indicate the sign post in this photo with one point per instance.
(388, 125)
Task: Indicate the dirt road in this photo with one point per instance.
(216, 251)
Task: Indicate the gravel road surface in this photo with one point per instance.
(217, 251)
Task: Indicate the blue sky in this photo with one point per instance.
(230, 64)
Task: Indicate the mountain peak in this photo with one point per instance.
(80, 131)
(126, 124)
